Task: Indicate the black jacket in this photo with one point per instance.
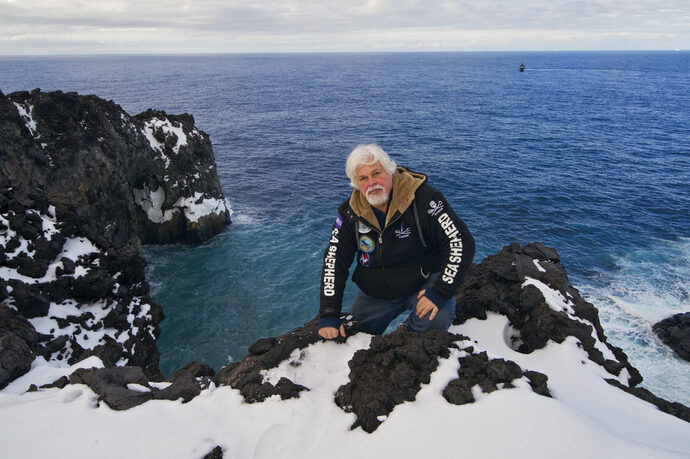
(394, 262)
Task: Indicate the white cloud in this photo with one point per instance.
(50, 26)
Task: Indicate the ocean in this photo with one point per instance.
(587, 152)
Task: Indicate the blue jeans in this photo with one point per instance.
(375, 315)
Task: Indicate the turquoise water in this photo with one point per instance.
(585, 152)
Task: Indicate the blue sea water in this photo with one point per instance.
(588, 152)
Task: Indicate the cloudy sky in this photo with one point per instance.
(227, 26)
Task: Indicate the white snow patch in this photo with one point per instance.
(538, 265)
(553, 298)
(45, 372)
(197, 207)
(27, 114)
(586, 418)
(76, 247)
(151, 202)
(558, 303)
(73, 248)
(87, 339)
(137, 387)
(169, 128)
(160, 385)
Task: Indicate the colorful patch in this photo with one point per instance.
(366, 244)
(338, 221)
(364, 259)
(363, 229)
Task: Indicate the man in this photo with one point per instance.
(412, 251)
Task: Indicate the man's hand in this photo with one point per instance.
(331, 332)
(424, 307)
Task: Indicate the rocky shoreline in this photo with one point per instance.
(83, 185)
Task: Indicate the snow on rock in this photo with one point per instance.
(169, 128)
(71, 274)
(151, 202)
(26, 113)
(524, 371)
(182, 200)
(155, 129)
(585, 417)
(197, 207)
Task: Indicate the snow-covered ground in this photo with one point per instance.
(585, 418)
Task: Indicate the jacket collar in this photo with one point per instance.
(405, 184)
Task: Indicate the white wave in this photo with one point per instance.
(648, 286)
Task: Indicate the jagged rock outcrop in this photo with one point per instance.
(125, 387)
(19, 345)
(82, 183)
(393, 368)
(527, 284)
(516, 283)
(265, 354)
(674, 331)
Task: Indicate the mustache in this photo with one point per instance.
(375, 188)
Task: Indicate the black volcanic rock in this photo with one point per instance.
(674, 331)
(188, 181)
(265, 354)
(512, 283)
(122, 388)
(507, 283)
(82, 184)
(187, 382)
(98, 166)
(19, 344)
(391, 372)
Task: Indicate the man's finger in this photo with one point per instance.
(342, 331)
(421, 294)
(433, 313)
(423, 312)
(328, 332)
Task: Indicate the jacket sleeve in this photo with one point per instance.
(457, 245)
(336, 264)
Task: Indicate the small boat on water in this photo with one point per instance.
(522, 67)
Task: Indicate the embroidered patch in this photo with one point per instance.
(435, 208)
(363, 228)
(338, 221)
(364, 259)
(403, 233)
(366, 244)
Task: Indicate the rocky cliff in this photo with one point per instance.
(527, 285)
(82, 185)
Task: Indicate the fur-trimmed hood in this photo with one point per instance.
(405, 184)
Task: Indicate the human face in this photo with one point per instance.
(375, 184)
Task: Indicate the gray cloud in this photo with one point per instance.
(28, 26)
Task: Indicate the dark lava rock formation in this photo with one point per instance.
(82, 184)
(674, 331)
(509, 282)
(515, 283)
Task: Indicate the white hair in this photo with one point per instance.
(366, 155)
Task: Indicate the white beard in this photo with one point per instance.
(378, 199)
